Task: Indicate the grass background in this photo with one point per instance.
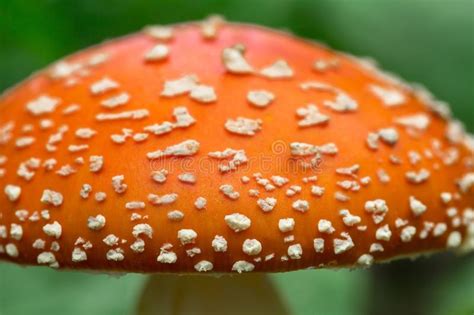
(426, 41)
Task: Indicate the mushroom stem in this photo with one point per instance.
(226, 295)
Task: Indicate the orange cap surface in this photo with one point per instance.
(219, 147)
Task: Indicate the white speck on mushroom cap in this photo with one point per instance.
(22, 215)
(466, 182)
(85, 133)
(111, 240)
(157, 53)
(203, 266)
(54, 229)
(325, 226)
(162, 200)
(200, 203)
(159, 32)
(243, 266)
(3, 232)
(96, 223)
(179, 86)
(187, 236)
(317, 190)
(71, 109)
(237, 222)
(24, 142)
(228, 191)
(417, 121)
(342, 245)
(209, 27)
(446, 197)
(140, 137)
(278, 70)
(286, 225)
(390, 97)
(135, 205)
(416, 206)
(103, 86)
(383, 233)
(203, 94)
(142, 229)
(16, 231)
(118, 185)
(418, 177)
(295, 251)
(159, 129)
(96, 163)
(175, 215)
(311, 116)
(193, 252)
(342, 102)
(78, 148)
(47, 258)
(378, 208)
(12, 192)
(252, 247)
(306, 149)
(64, 69)
(366, 260)
(127, 115)
(300, 205)
(348, 218)
(188, 178)
(100, 196)
(167, 256)
(239, 157)
(376, 247)
(159, 176)
(260, 98)
(116, 101)
(267, 204)
(12, 250)
(51, 197)
(138, 246)
(234, 60)
(42, 105)
(454, 240)
(407, 234)
(389, 135)
(78, 255)
(115, 255)
(219, 244)
(322, 65)
(185, 148)
(97, 59)
(243, 126)
(318, 244)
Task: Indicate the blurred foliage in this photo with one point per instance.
(426, 41)
(454, 292)
(37, 291)
(325, 292)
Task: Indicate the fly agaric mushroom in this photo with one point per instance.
(227, 148)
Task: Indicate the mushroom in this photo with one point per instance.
(219, 148)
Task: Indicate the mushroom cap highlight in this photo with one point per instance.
(221, 147)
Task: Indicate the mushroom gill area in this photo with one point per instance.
(220, 147)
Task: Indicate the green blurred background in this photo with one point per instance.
(425, 41)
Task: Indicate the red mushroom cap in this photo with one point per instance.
(220, 147)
